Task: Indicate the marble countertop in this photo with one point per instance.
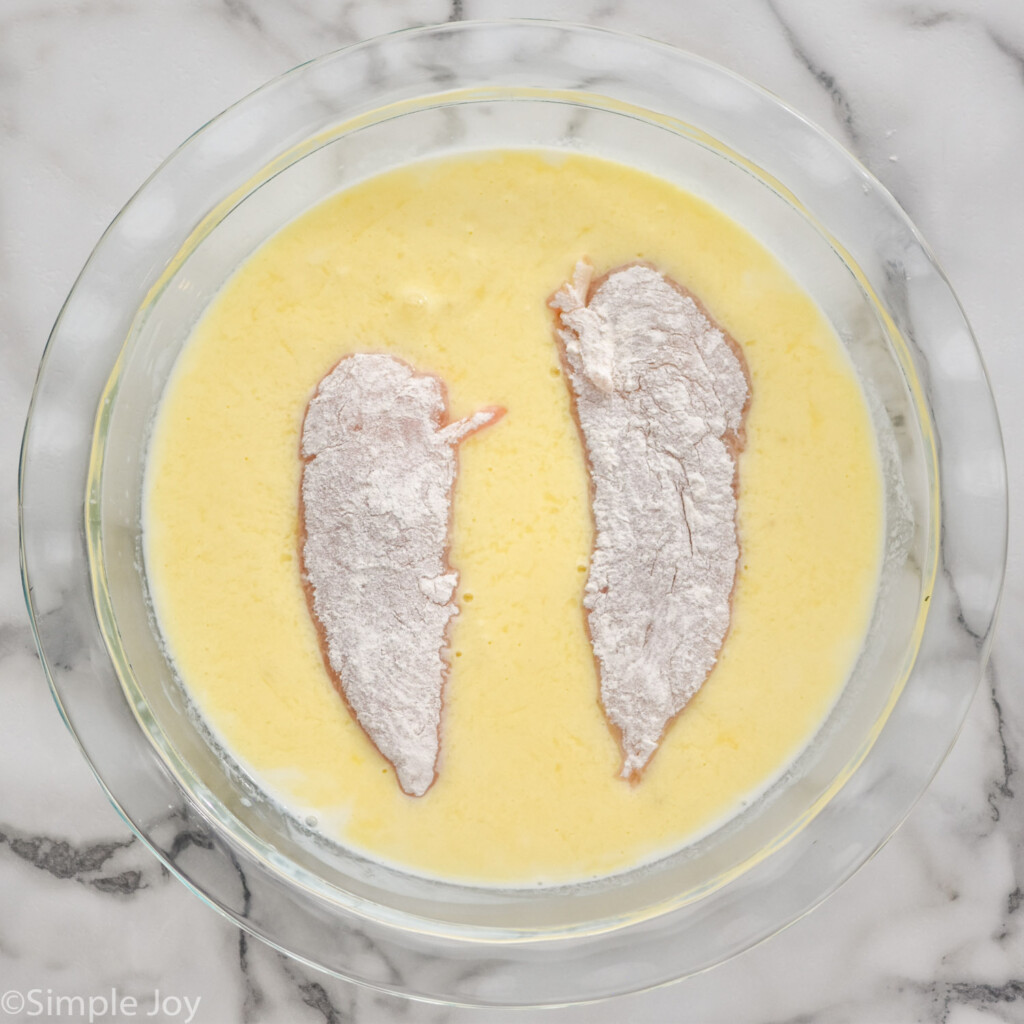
(930, 96)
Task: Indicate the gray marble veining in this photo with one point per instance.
(929, 96)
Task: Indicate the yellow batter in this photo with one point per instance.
(449, 265)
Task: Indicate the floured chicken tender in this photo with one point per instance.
(660, 395)
(379, 469)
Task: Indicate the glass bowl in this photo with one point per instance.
(472, 86)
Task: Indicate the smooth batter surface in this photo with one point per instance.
(449, 265)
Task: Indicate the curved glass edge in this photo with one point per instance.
(25, 487)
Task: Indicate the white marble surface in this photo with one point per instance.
(930, 96)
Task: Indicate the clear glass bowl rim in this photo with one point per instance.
(895, 814)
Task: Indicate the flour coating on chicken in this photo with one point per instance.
(380, 463)
(660, 395)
